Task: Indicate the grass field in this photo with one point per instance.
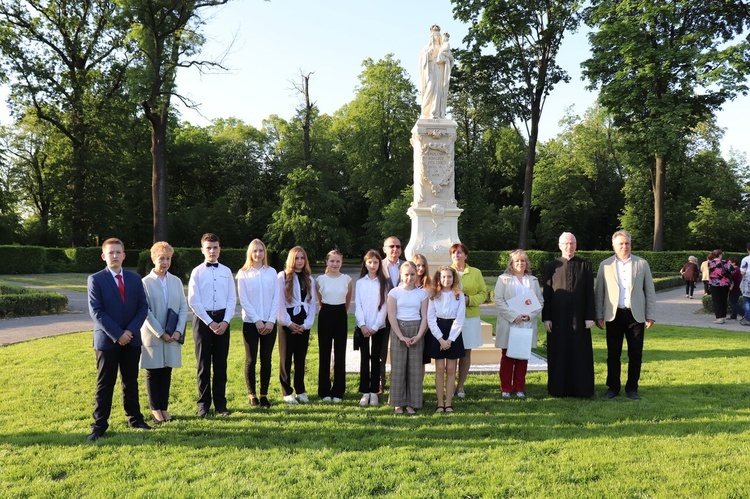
(688, 437)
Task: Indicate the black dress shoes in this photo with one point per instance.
(610, 395)
(140, 425)
(264, 402)
(633, 395)
(95, 435)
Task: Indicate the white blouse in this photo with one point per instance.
(446, 306)
(408, 303)
(259, 294)
(333, 290)
(366, 300)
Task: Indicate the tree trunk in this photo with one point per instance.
(158, 123)
(307, 146)
(523, 236)
(659, 183)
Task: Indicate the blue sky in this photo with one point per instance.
(276, 40)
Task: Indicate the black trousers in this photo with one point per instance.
(624, 326)
(266, 343)
(158, 383)
(124, 359)
(369, 361)
(211, 350)
(719, 297)
(383, 354)
(332, 333)
(292, 352)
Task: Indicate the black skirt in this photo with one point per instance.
(456, 351)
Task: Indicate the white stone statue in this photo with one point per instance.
(435, 64)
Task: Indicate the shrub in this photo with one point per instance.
(485, 260)
(22, 259)
(19, 302)
(58, 260)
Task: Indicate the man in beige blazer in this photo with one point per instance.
(626, 300)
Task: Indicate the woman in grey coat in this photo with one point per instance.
(162, 350)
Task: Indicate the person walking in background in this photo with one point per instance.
(407, 313)
(118, 307)
(162, 340)
(260, 298)
(297, 315)
(568, 315)
(745, 287)
(720, 277)
(475, 293)
(690, 274)
(515, 281)
(446, 312)
(626, 301)
(212, 297)
(370, 312)
(705, 275)
(334, 295)
(734, 290)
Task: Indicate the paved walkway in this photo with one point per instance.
(672, 308)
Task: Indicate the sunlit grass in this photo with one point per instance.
(688, 437)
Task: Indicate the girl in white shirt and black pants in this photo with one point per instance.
(335, 295)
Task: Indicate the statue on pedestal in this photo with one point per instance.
(435, 64)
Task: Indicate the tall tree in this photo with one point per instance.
(66, 65)
(664, 66)
(518, 76)
(374, 131)
(167, 33)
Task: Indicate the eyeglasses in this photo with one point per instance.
(397, 246)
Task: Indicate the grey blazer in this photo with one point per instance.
(155, 352)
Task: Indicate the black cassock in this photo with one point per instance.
(568, 303)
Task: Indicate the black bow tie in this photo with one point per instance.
(208, 264)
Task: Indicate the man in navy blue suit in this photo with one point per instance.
(118, 306)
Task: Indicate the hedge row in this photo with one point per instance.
(19, 302)
(37, 259)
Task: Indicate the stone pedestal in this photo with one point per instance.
(434, 212)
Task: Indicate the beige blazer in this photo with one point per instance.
(642, 293)
(505, 289)
(155, 352)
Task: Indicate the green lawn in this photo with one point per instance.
(688, 437)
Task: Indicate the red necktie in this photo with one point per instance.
(121, 286)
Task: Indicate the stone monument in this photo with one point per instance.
(434, 212)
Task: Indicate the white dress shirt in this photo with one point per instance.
(259, 293)
(445, 306)
(366, 301)
(624, 280)
(211, 289)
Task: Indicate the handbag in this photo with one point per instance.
(519, 343)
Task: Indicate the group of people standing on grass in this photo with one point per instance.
(140, 324)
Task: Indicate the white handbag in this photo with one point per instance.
(519, 343)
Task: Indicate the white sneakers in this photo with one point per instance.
(374, 399)
(303, 398)
(326, 399)
(365, 400)
(521, 395)
(290, 399)
(506, 395)
(336, 399)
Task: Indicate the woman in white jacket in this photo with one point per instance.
(516, 280)
(162, 349)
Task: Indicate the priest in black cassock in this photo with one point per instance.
(568, 315)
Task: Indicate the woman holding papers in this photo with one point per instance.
(519, 303)
(161, 334)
